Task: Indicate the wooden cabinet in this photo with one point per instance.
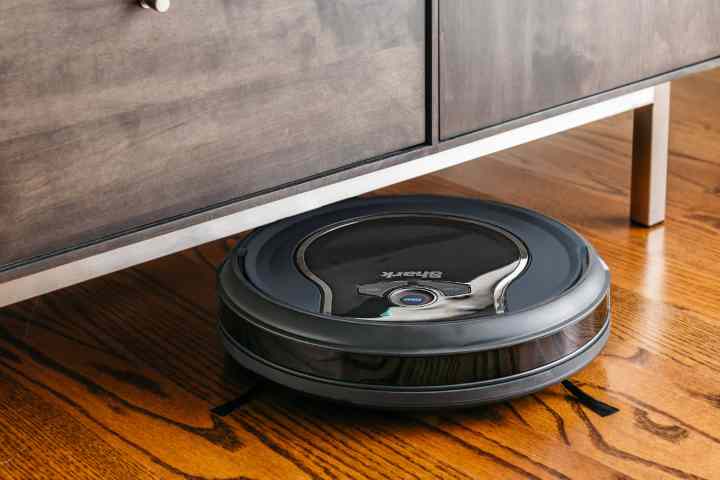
(114, 117)
(127, 134)
(501, 60)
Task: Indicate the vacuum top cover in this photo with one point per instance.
(412, 266)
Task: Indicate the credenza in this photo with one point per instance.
(134, 129)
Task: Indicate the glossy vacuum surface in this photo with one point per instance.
(415, 302)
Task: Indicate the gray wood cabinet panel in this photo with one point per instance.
(503, 59)
(113, 117)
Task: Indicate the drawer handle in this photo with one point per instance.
(160, 6)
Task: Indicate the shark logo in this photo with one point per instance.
(413, 274)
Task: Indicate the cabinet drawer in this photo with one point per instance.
(504, 59)
(113, 117)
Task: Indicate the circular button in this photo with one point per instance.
(412, 297)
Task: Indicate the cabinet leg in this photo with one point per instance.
(651, 130)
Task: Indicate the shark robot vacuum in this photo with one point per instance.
(415, 302)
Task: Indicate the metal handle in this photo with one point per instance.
(160, 6)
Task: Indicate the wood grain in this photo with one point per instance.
(113, 117)
(114, 378)
(504, 60)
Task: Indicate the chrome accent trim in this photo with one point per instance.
(327, 295)
(502, 286)
(499, 289)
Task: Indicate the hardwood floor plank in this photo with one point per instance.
(67, 448)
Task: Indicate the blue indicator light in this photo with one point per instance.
(413, 300)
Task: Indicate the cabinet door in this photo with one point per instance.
(504, 59)
(113, 117)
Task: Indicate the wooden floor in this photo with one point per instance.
(114, 378)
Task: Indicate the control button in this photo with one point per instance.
(375, 290)
(415, 299)
(447, 289)
(455, 290)
(412, 297)
(379, 289)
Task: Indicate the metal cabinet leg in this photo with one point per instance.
(651, 129)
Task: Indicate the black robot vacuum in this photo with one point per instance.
(415, 302)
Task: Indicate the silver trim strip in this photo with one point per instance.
(327, 294)
(499, 289)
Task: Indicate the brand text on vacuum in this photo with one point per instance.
(419, 274)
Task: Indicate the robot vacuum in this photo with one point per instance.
(415, 302)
